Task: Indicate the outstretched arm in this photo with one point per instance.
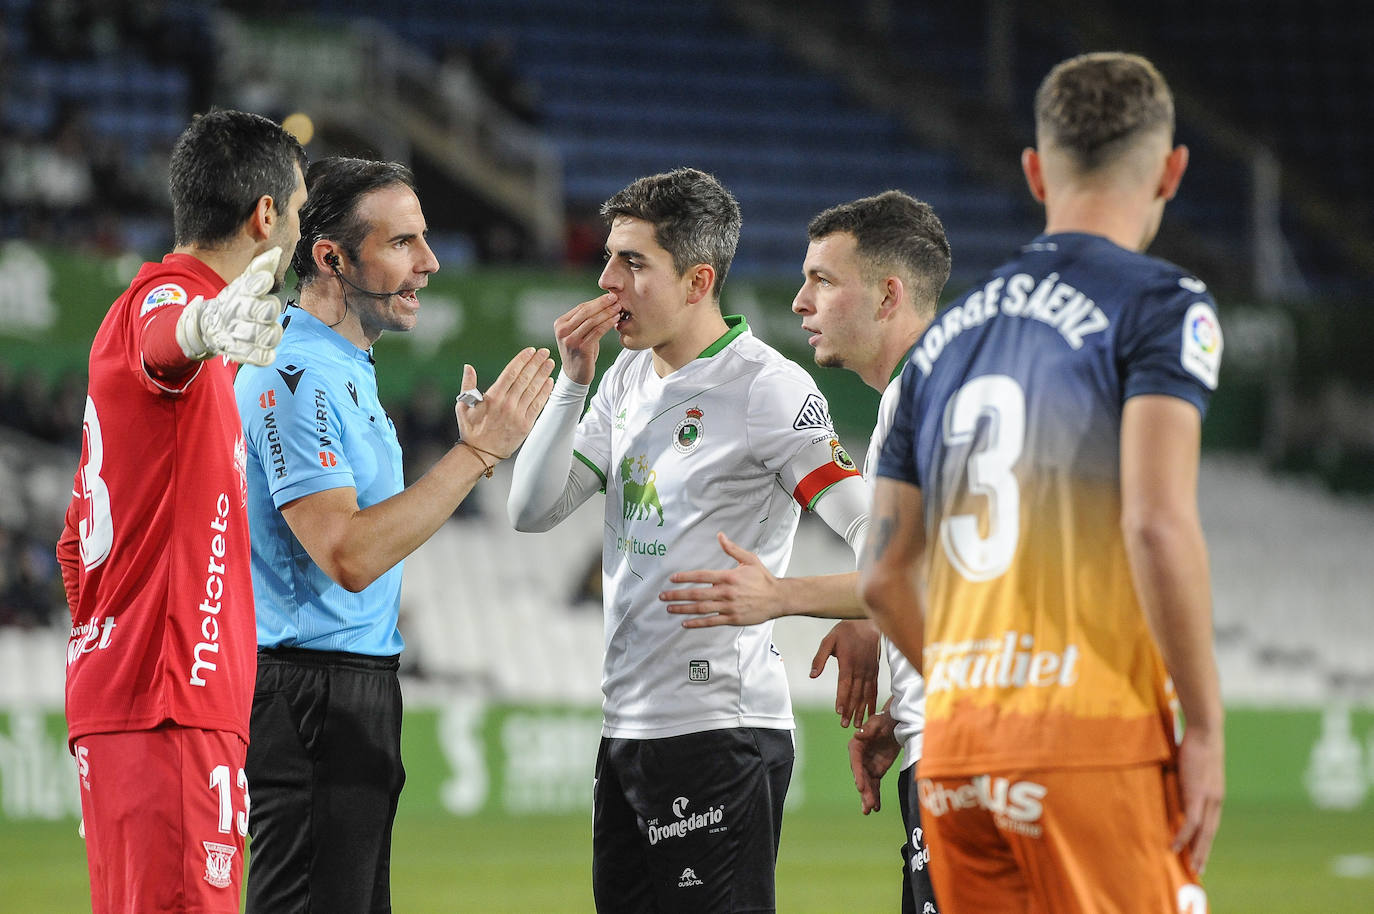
(749, 593)
(1160, 438)
(239, 323)
(355, 546)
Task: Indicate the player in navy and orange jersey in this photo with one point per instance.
(155, 552)
(1036, 545)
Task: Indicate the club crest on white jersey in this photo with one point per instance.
(687, 435)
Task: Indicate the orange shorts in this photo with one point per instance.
(1095, 841)
(164, 813)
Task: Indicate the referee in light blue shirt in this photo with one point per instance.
(314, 423)
(330, 522)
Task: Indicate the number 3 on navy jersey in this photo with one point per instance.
(989, 468)
(96, 528)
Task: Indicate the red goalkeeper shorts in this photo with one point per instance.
(164, 813)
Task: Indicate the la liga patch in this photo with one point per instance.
(166, 294)
(1201, 350)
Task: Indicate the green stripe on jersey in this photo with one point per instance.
(737, 325)
(595, 469)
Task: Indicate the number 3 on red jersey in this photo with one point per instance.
(96, 528)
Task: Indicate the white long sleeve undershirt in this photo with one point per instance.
(547, 483)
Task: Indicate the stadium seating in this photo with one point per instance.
(627, 89)
(1292, 584)
(140, 105)
(485, 605)
(1296, 75)
(492, 612)
(1294, 630)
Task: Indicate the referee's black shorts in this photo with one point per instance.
(689, 823)
(324, 773)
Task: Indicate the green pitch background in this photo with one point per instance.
(1276, 861)
(1276, 853)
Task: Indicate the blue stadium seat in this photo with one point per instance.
(627, 89)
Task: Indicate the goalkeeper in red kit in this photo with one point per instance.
(155, 552)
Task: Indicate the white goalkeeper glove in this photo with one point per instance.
(240, 322)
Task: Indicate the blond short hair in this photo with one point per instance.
(1097, 107)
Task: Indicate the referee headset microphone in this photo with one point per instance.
(333, 260)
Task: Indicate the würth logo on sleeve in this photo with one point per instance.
(322, 423)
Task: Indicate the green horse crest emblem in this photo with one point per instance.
(641, 495)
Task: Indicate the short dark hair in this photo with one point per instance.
(335, 187)
(1096, 106)
(695, 219)
(221, 165)
(893, 232)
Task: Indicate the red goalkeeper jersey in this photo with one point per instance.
(155, 553)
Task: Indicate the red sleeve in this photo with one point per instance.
(68, 556)
(163, 359)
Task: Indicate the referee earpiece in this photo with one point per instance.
(332, 259)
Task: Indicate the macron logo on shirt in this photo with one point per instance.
(292, 376)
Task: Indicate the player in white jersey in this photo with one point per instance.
(873, 273)
(698, 428)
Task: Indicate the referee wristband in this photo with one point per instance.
(488, 467)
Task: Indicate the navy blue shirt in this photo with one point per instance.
(1037, 652)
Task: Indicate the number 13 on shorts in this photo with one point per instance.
(219, 783)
